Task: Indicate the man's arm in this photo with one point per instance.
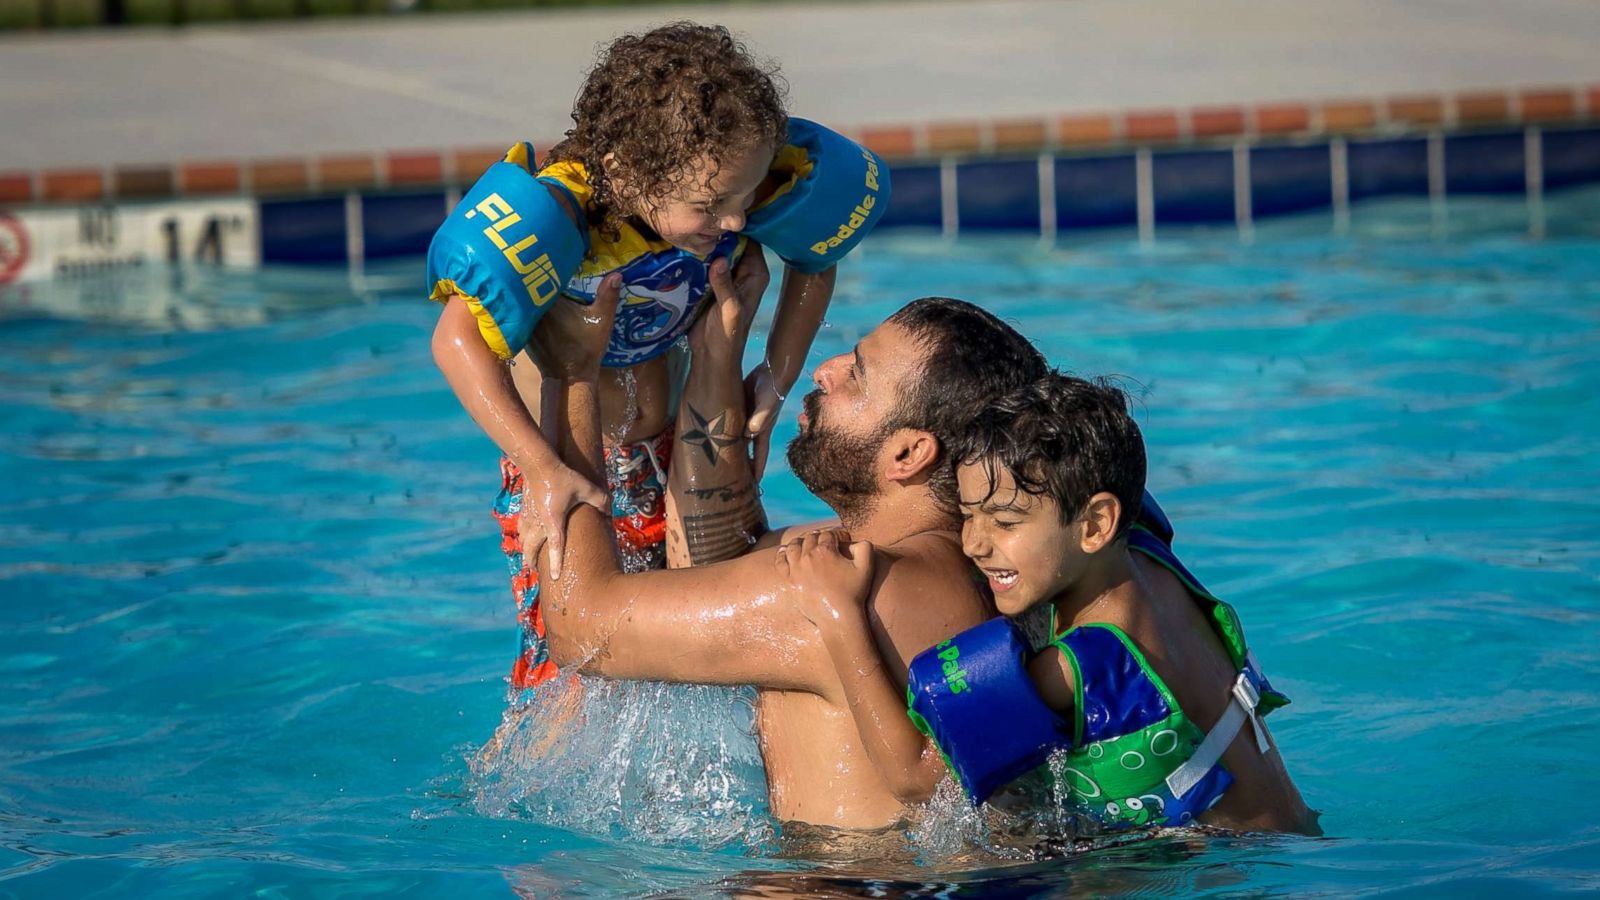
(716, 624)
(713, 509)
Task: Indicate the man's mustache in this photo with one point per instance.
(813, 405)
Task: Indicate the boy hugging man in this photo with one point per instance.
(1144, 706)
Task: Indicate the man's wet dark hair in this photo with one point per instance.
(971, 357)
(1063, 437)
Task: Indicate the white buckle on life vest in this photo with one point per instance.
(1242, 706)
(1246, 695)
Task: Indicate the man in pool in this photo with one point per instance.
(872, 445)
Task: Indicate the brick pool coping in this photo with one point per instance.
(1077, 133)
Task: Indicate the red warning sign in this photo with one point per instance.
(13, 247)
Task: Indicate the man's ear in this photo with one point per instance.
(912, 454)
(1101, 517)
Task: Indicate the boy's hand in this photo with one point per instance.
(571, 339)
(547, 500)
(764, 401)
(830, 580)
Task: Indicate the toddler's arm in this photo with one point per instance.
(482, 382)
(802, 303)
(498, 264)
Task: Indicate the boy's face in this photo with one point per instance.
(710, 201)
(1017, 539)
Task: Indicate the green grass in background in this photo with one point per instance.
(20, 14)
(31, 14)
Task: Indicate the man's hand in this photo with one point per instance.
(721, 331)
(829, 580)
(571, 339)
(568, 345)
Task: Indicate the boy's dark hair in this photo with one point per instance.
(660, 100)
(971, 357)
(1063, 437)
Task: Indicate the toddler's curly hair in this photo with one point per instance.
(659, 101)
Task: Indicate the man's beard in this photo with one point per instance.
(836, 467)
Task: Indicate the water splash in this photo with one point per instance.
(659, 763)
(665, 764)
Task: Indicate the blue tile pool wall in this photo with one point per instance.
(1096, 191)
(304, 231)
(998, 195)
(1194, 186)
(1485, 164)
(1290, 179)
(915, 197)
(1383, 167)
(1085, 191)
(400, 224)
(1570, 157)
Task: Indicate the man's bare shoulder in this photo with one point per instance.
(924, 592)
(927, 559)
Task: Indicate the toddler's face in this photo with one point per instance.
(1017, 539)
(711, 201)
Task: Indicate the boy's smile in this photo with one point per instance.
(1015, 538)
(710, 200)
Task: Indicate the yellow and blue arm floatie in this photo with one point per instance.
(507, 249)
(838, 191)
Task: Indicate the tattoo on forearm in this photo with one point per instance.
(710, 435)
(724, 534)
(722, 493)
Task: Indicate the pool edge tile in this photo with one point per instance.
(1281, 118)
(955, 137)
(1349, 116)
(143, 182)
(66, 185)
(1009, 135)
(1415, 109)
(892, 141)
(279, 176)
(209, 178)
(414, 168)
(1548, 105)
(1152, 126)
(347, 172)
(1483, 108)
(16, 187)
(1216, 121)
(1086, 130)
(467, 164)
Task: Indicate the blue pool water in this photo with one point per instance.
(254, 624)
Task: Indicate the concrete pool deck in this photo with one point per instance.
(363, 86)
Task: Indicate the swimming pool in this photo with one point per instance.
(255, 626)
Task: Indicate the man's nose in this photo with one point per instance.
(826, 374)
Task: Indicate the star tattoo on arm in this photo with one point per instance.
(710, 435)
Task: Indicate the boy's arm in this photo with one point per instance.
(482, 383)
(713, 510)
(802, 303)
(831, 589)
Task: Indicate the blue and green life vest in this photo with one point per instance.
(1127, 755)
